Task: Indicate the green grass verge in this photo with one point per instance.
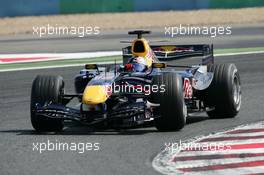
(238, 50)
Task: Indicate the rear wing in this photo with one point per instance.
(173, 52)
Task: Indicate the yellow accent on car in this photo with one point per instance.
(91, 66)
(168, 48)
(158, 65)
(144, 47)
(94, 95)
(146, 50)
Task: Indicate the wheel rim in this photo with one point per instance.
(185, 113)
(236, 90)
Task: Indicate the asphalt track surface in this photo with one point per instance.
(121, 152)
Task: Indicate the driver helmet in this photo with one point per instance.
(139, 64)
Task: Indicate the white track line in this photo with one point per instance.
(59, 56)
(49, 67)
(239, 53)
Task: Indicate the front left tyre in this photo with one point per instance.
(46, 89)
(172, 112)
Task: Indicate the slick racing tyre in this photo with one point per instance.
(172, 112)
(46, 89)
(224, 93)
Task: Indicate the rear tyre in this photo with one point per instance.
(172, 111)
(224, 93)
(46, 89)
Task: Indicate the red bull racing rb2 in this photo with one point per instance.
(145, 88)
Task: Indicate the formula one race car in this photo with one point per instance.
(144, 88)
